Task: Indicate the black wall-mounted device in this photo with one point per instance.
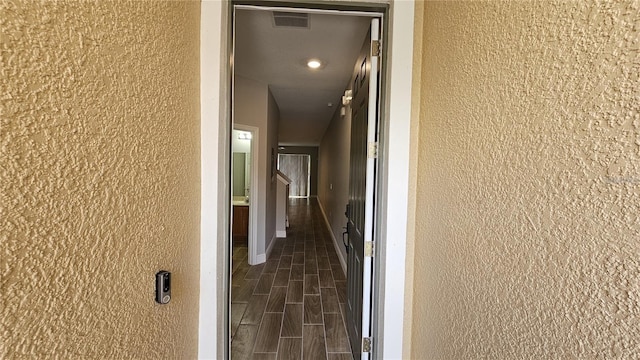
(163, 287)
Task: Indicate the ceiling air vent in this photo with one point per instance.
(291, 19)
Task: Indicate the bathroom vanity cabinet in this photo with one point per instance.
(240, 228)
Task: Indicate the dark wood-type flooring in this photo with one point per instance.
(292, 306)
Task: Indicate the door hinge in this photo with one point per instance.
(369, 249)
(366, 344)
(376, 48)
(373, 150)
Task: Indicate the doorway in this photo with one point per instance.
(244, 188)
(297, 167)
(292, 100)
(216, 85)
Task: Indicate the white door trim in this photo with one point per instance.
(215, 135)
(389, 281)
(215, 192)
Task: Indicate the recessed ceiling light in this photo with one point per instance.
(314, 64)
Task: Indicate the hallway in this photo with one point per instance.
(292, 306)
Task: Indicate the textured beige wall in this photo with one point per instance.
(529, 181)
(99, 178)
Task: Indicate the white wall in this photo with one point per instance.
(214, 133)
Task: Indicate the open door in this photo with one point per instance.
(360, 213)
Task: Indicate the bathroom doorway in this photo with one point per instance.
(244, 191)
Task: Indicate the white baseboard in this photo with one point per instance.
(343, 262)
(263, 257)
(281, 233)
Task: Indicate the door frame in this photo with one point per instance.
(255, 191)
(393, 185)
(308, 174)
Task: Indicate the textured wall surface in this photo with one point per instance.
(99, 178)
(528, 202)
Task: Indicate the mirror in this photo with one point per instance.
(241, 172)
(241, 165)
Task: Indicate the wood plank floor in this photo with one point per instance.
(292, 306)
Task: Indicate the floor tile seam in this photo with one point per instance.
(324, 328)
(344, 323)
(255, 341)
(281, 328)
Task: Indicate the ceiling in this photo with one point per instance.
(278, 57)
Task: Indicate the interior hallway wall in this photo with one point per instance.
(333, 173)
(528, 196)
(255, 106)
(99, 178)
(273, 120)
